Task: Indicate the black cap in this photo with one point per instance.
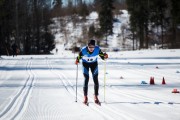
(91, 42)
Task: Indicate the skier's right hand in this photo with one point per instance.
(105, 56)
(76, 62)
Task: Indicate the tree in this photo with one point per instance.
(133, 20)
(175, 21)
(123, 28)
(106, 17)
(83, 10)
(56, 11)
(158, 16)
(91, 32)
(57, 3)
(79, 2)
(97, 5)
(23, 22)
(7, 18)
(147, 15)
(1, 16)
(137, 19)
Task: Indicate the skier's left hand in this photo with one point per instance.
(105, 55)
(76, 62)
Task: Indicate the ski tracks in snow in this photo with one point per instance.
(58, 74)
(106, 111)
(18, 103)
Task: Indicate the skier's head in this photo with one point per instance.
(91, 42)
(91, 45)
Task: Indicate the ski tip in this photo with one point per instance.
(87, 104)
(99, 103)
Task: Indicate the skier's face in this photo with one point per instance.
(91, 48)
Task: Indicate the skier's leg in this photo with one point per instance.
(86, 78)
(96, 85)
(85, 86)
(94, 70)
(13, 53)
(96, 88)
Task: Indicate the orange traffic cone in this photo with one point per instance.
(152, 81)
(163, 81)
(175, 91)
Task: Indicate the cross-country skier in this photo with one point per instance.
(89, 55)
(14, 49)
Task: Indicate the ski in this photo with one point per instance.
(98, 103)
(87, 104)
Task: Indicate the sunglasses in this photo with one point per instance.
(90, 47)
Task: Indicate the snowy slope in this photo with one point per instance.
(43, 87)
(73, 33)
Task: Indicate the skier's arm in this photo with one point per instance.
(103, 55)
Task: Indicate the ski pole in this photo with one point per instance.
(104, 79)
(76, 81)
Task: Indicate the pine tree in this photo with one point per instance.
(83, 10)
(146, 14)
(57, 7)
(91, 32)
(175, 11)
(57, 3)
(106, 17)
(1, 16)
(158, 16)
(136, 19)
(97, 4)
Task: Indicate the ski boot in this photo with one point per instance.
(96, 100)
(85, 100)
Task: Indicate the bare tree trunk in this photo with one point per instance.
(133, 40)
(141, 37)
(162, 36)
(173, 41)
(17, 24)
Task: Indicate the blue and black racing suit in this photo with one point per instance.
(89, 60)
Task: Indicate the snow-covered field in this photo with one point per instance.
(43, 87)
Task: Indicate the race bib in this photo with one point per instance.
(90, 59)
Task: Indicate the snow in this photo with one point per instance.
(43, 87)
(73, 33)
(93, 15)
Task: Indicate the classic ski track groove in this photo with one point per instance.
(96, 107)
(120, 114)
(59, 76)
(16, 96)
(69, 84)
(139, 97)
(29, 89)
(20, 96)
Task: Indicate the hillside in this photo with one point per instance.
(69, 34)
